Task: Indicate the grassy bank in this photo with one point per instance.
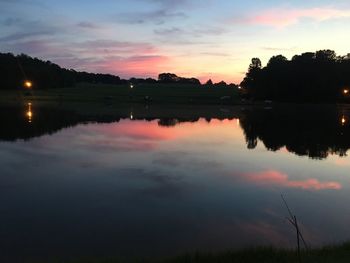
(330, 254)
(142, 93)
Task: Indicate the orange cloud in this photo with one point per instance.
(342, 162)
(277, 178)
(284, 17)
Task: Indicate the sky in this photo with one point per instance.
(206, 39)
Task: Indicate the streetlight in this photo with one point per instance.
(28, 84)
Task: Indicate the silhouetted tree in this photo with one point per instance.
(209, 83)
(309, 77)
(252, 77)
(45, 74)
(172, 78)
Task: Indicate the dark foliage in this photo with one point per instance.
(310, 77)
(44, 75)
(309, 131)
(172, 78)
(142, 81)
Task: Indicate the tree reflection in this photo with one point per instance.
(307, 131)
(49, 119)
(172, 122)
(314, 131)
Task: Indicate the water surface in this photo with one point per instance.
(74, 185)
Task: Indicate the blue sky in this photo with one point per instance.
(204, 39)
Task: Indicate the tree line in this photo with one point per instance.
(322, 76)
(17, 69)
(45, 74)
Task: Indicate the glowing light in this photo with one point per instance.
(131, 116)
(29, 113)
(343, 120)
(131, 86)
(346, 91)
(28, 84)
(239, 87)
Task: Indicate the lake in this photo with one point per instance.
(151, 182)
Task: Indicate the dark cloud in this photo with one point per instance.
(11, 21)
(30, 47)
(198, 32)
(169, 31)
(159, 16)
(85, 24)
(156, 183)
(188, 36)
(168, 3)
(30, 30)
(25, 35)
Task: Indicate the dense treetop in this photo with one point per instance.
(310, 77)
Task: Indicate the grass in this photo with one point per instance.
(329, 254)
(159, 94)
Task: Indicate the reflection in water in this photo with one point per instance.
(160, 185)
(343, 120)
(306, 131)
(272, 177)
(314, 132)
(29, 112)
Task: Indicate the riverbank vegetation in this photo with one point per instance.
(330, 254)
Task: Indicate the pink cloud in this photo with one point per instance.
(138, 66)
(284, 17)
(272, 177)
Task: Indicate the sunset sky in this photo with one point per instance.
(201, 38)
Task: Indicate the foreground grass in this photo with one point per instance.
(155, 93)
(330, 254)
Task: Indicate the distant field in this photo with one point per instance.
(150, 93)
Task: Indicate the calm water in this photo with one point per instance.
(73, 186)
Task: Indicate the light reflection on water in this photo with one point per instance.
(166, 187)
(29, 112)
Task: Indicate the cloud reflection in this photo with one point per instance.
(272, 177)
